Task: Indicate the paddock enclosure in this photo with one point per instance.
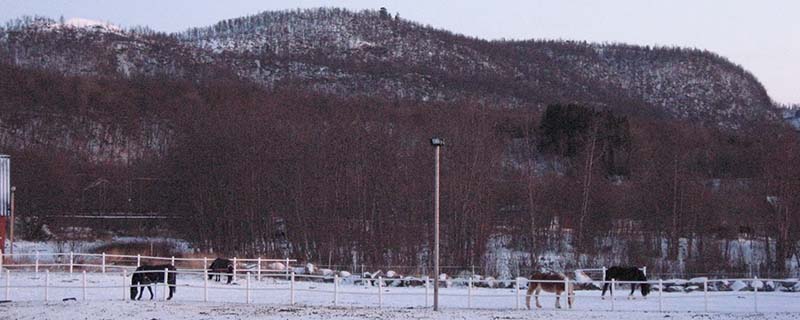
(91, 281)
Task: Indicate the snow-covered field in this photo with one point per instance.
(271, 299)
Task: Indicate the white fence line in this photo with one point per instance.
(336, 292)
(103, 266)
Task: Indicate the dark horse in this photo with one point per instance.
(626, 274)
(144, 276)
(219, 266)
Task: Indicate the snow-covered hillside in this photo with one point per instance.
(366, 53)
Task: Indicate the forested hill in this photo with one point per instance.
(304, 134)
(372, 53)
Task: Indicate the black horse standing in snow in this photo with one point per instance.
(144, 276)
(219, 266)
(626, 274)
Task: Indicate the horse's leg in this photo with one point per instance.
(633, 289)
(230, 278)
(536, 293)
(141, 291)
(570, 296)
(558, 298)
(605, 287)
(150, 289)
(528, 295)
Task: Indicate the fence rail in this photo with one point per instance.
(79, 260)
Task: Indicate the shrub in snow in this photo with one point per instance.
(757, 284)
(738, 285)
(699, 281)
(490, 282)
(298, 270)
(326, 272)
(674, 288)
(348, 278)
(393, 279)
(677, 282)
(693, 288)
(276, 266)
(310, 268)
(413, 282)
(523, 282)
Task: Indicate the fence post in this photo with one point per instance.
(613, 284)
(234, 269)
(104, 263)
(335, 289)
(660, 290)
(124, 284)
(8, 284)
(644, 271)
(755, 295)
(173, 261)
(71, 261)
(705, 294)
(469, 292)
(83, 289)
(259, 269)
(566, 290)
(516, 292)
(36, 267)
(46, 285)
(205, 284)
(138, 260)
(604, 273)
(1, 259)
(287, 267)
(380, 292)
(291, 289)
(426, 291)
(205, 263)
(166, 283)
(247, 286)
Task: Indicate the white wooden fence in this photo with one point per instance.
(68, 260)
(334, 292)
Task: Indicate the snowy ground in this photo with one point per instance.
(271, 299)
(194, 310)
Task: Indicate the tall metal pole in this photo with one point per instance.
(436, 237)
(11, 226)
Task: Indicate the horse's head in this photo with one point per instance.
(134, 291)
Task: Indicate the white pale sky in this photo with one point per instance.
(761, 35)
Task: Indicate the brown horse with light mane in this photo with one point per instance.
(549, 282)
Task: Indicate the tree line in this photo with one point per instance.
(349, 180)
